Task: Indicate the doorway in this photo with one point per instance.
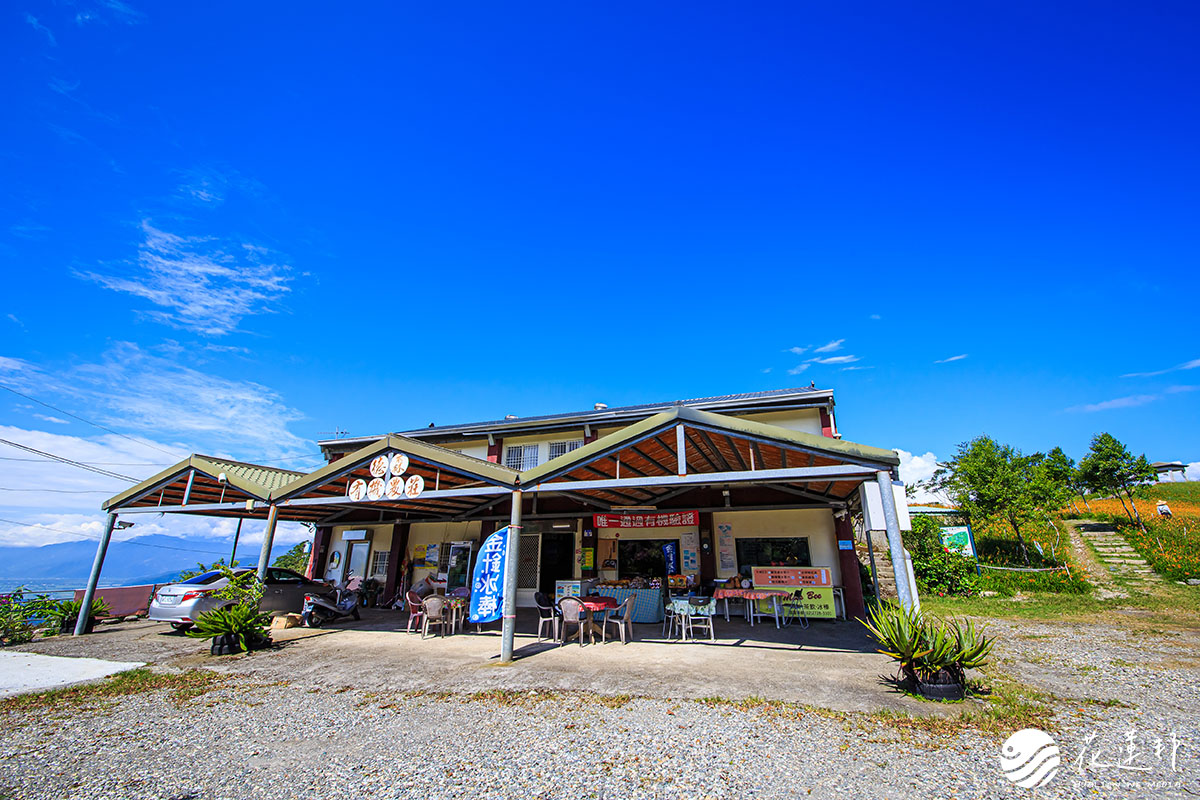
(558, 560)
(356, 562)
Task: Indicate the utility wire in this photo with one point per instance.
(80, 464)
(88, 421)
(90, 463)
(57, 491)
(96, 539)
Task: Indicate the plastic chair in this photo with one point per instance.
(572, 612)
(623, 623)
(547, 614)
(416, 612)
(671, 620)
(795, 604)
(435, 614)
(700, 613)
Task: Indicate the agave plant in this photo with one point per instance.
(242, 624)
(65, 612)
(928, 650)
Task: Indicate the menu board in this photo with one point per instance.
(816, 583)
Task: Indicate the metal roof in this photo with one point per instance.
(253, 479)
(615, 415)
(834, 448)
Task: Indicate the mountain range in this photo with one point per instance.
(145, 559)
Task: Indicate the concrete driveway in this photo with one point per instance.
(831, 664)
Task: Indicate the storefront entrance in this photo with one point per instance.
(546, 557)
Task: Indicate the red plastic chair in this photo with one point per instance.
(416, 611)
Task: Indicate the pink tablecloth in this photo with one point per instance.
(748, 594)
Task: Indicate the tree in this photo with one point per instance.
(1109, 468)
(295, 559)
(987, 479)
(1060, 476)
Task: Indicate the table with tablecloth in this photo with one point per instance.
(648, 607)
(748, 596)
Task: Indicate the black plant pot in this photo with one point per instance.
(941, 691)
(225, 645)
(68, 625)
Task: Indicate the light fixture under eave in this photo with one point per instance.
(634, 508)
(562, 526)
(123, 524)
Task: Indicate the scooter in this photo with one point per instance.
(319, 609)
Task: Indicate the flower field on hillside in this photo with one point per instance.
(1171, 546)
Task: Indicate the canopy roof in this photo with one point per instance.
(681, 458)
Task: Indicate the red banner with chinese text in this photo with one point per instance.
(671, 519)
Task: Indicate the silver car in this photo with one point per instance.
(182, 603)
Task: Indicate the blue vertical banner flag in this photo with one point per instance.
(671, 555)
(487, 582)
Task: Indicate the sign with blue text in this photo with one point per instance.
(487, 583)
(671, 556)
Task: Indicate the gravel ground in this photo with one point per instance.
(302, 739)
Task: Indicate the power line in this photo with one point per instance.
(90, 463)
(96, 539)
(88, 421)
(57, 491)
(106, 473)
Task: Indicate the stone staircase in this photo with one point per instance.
(883, 566)
(1118, 557)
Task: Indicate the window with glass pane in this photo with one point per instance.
(562, 448)
(521, 456)
(775, 552)
(379, 562)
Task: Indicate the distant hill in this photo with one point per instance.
(127, 563)
(1172, 491)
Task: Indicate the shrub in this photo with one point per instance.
(937, 569)
(65, 613)
(19, 616)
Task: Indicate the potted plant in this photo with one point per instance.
(66, 613)
(934, 654)
(367, 592)
(239, 626)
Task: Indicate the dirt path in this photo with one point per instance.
(1115, 565)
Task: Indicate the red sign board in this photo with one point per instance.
(672, 519)
(791, 577)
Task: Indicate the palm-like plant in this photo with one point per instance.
(244, 624)
(928, 650)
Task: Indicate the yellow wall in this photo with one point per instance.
(381, 539)
(816, 524)
(426, 533)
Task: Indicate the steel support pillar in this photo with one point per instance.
(85, 609)
(264, 555)
(895, 541)
(512, 552)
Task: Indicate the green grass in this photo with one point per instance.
(182, 686)
(1183, 492)
(1170, 605)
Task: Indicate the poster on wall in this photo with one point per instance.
(487, 582)
(689, 550)
(418, 557)
(727, 562)
(671, 556)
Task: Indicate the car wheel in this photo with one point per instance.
(181, 626)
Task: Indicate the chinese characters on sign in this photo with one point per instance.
(816, 583)
(671, 520)
(487, 584)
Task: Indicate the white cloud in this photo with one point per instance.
(951, 358)
(830, 347)
(1131, 401)
(1180, 389)
(40, 28)
(796, 370)
(55, 420)
(1193, 471)
(834, 360)
(765, 371)
(914, 468)
(204, 284)
(852, 369)
(1193, 364)
(876, 316)
(796, 350)
(160, 396)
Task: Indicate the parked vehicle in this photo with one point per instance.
(319, 609)
(181, 603)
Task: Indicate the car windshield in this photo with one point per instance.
(207, 577)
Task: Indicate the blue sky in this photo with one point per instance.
(230, 228)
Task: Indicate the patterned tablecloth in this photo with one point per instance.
(748, 594)
(683, 605)
(647, 608)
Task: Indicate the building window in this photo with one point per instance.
(521, 456)
(379, 563)
(562, 448)
(781, 552)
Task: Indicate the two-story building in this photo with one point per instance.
(727, 484)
